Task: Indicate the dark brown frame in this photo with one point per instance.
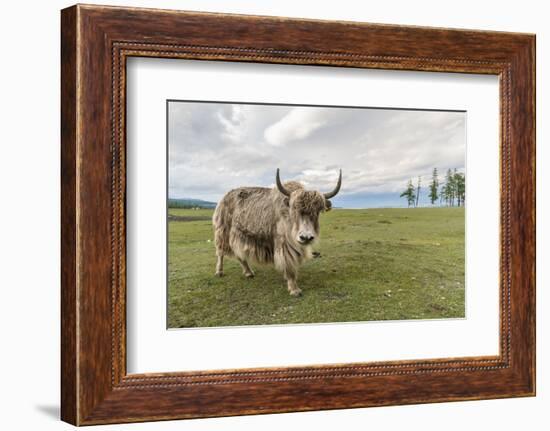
(95, 43)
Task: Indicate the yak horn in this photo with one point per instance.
(336, 189)
(280, 185)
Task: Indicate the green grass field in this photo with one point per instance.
(375, 264)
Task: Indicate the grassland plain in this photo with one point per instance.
(375, 264)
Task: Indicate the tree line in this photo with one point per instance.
(451, 192)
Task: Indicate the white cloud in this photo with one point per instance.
(298, 124)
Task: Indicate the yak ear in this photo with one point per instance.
(286, 201)
(328, 205)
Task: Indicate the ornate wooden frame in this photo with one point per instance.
(95, 43)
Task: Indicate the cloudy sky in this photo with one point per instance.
(215, 147)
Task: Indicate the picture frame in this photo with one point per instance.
(96, 42)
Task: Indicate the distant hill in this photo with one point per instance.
(190, 203)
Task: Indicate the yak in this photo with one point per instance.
(275, 225)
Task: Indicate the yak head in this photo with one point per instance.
(304, 209)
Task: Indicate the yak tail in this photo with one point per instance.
(222, 227)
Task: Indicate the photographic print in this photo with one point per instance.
(294, 214)
(257, 224)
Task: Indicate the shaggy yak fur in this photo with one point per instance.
(264, 225)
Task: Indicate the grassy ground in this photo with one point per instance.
(375, 264)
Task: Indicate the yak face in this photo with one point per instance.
(304, 209)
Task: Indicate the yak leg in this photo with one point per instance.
(247, 271)
(293, 288)
(284, 263)
(291, 277)
(219, 264)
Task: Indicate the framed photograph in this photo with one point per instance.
(264, 214)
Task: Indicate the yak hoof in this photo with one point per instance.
(296, 293)
(249, 274)
(219, 274)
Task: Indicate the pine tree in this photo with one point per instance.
(455, 182)
(460, 186)
(434, 187)
(443, 195)
(449, 188)
(409, 194)
(417, 192)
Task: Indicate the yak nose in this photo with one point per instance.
(306, 237)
